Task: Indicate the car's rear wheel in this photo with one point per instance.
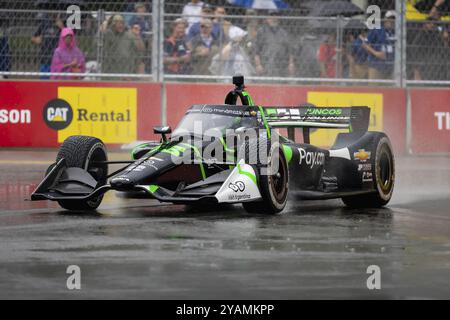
(383, 177)
(273, 186)
(86, 153)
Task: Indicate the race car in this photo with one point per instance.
(234, 153)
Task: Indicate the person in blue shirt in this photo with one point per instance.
(217, 28)
(380, 46)
(359, 57)
(140, 18)
(5, 54)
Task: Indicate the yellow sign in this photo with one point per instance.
(326, 137)
(109, 114)
(413, 14)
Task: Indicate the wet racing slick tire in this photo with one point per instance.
(83, 152)
(383, 177)
(273, 186)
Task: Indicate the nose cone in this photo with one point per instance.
(122, 183)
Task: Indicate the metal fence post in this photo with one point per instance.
(155, 40)
(400, 44)
(158, 53)
(100, 19)
(339, 46)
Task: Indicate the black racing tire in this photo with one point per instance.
(274, 187)
(50, 167)
(383, 178)
(82, 152)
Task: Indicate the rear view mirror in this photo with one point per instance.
(162, 131)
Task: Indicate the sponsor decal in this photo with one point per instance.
(311, 158)
(15, 116)
(122, 179)
(225, 111)
(443, 120)
(323, 112)
(107, 113)
(365, 167)
(238, 197)
(326, 137)
(367, 176)
(237, 186)
(151, 162)
(57, 114)
(362, 155)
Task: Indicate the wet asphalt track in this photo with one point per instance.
(142, 249)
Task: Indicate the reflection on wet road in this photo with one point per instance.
(142, 249)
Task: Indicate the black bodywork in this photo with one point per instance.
(175, 170)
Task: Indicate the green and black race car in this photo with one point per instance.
(234, 154)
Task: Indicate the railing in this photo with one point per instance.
(161, 46)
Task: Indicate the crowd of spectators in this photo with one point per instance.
(204, 40)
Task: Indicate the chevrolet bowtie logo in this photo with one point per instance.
(362, 155)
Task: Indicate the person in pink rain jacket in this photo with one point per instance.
(67, 57)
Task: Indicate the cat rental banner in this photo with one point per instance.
(107, 113)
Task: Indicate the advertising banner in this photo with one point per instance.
(43, 114)
(430, 121)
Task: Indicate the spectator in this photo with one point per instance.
(358, 56)
(192, 12)
(438, 7)
(233, 58)
(326, 57)
(67, 57)
(427, 52)
(273, 49)
(5, 54)
(203, 47)
(46, 36)
(251, 27)
(217, 24)
(140, 18)
(122, 48)
(176, 53)
(380, 46)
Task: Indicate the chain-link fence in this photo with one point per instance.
(319, 42)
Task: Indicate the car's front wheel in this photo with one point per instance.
(87, 153)
(273, 185)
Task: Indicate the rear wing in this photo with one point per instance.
(356, 119)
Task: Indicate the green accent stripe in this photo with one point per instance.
(152, 188)
(271, 111)
(224, 144)
(135, 149)
(287, 153)
(261, 110)
(249, 98)
(248, 174)
(197, 153)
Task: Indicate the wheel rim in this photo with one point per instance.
(278, 180)
(100, 170)
(385, 171)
